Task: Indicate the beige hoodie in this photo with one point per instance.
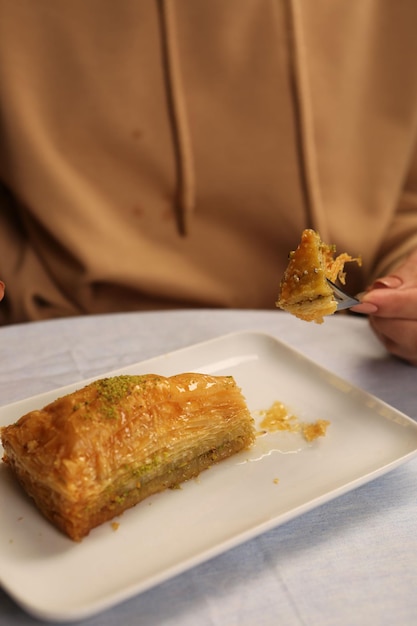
(158, 154)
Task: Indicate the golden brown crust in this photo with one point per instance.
(90, 455)
(304, 290)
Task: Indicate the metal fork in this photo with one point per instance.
(344, 301)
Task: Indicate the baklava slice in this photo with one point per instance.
(304, 290)
(88, 456)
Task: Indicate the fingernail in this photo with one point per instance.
(392, 282)
(365, 307)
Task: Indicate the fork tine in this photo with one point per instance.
(344, 301)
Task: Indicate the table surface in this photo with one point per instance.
(351, 561)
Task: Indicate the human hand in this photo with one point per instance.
(1, 289)
(391, 303)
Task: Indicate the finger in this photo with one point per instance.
(398, 336)
(367, 308)
(390, 282)
(389, 303)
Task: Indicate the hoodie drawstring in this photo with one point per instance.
(303, 110)
(181, 130)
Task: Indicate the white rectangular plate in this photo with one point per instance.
(281, 477)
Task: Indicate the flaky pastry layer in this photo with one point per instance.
(90, 455)
(304, 290)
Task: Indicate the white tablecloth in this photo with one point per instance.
(350, 562)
